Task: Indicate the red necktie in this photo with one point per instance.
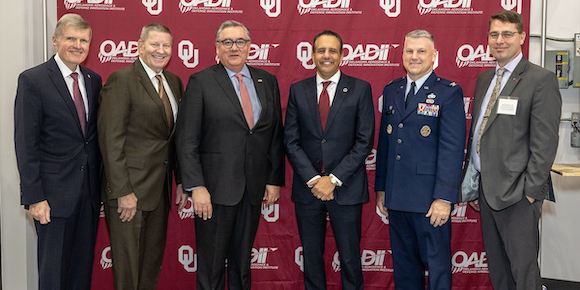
(324, 105)
(79, 102)
(246, 102)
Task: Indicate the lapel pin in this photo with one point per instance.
(345, 90)
(259, 80)
(401, 87)
(453, 84)
(431, 96)
(89, 76)
(426, 87)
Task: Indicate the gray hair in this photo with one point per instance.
(74, 20)
(230, 23)
(158, 27)
(421, 33)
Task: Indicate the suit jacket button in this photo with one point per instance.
(399, 141)
(398, 157)
(317, 161)
(251, 132)
(165, 162)
(323, 141)
(400, 125)
(82, 167)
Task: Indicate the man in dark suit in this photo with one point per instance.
(138, 107)
(419, 160)
(231, 156)
(58, 156)
(511, 148)
(329, 132)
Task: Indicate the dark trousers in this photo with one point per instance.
(66, 248)
(230, 235)
(137, 246)
(417, 246)
(346, 225)
(511, 240)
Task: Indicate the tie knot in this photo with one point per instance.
(325, 84)
(240, 77)
(75, 76)
(159, 78)
(413, 85)
(500, 72)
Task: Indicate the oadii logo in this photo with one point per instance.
(458, 215)
(187, 211)
(476, 263)
(207, 6)
(468, 56)
(259, 259)
(457, 7)
(371, 160)
(124, 52)
(106, 261)
(92, 5)
(359, 55)
(258, 55)
(327, 7)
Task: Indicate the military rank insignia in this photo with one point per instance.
(428, 110)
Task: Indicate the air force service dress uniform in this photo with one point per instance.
(419, 160)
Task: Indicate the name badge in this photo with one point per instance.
(507, 105)
(428, 110)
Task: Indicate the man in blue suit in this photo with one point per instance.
(419, 161)
(58, 156)
(328, 134)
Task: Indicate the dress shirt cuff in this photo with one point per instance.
(312, 179)
(335, 180)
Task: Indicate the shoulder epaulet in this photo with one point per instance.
(447, 82)
(396, 81)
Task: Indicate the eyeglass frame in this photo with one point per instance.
(246, 41)
(504, 34)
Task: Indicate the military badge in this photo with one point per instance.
(425, 131)
(389, 129)
(429, 109)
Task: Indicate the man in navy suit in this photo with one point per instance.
(58, 156)
(419, 161)
(329, 132)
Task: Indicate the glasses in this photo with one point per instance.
(504, 34)
(228, 43)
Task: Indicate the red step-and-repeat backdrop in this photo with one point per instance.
(282, 31)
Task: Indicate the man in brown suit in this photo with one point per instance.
(138, 107)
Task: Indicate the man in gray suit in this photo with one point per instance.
(512, 145)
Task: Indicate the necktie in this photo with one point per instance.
(324, 105)
(79, 102)
(410, 94)
(246, 102)
(166, 103)
(490, 105)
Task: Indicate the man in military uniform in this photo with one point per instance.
(419, 162)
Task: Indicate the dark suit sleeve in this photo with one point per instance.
(27, 124)
(112, 123)
(188, 134)
(451, 146)
(292, 139)
(382, 150)
(276, 153)
(363, 140)
(544, 125)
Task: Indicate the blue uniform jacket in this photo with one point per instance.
(421, 148)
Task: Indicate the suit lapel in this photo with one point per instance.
(260, 90)
(340, 94)
(221, 76)
(150, 89)
(479, 95)
(309, 91)
(59, 82)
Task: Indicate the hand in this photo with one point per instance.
(180, 198)
(381, 203)
(40, 211)
(439, 212)
(530, 199)
(322, 188)
(202, 203)
(272, 194)
(474, 204)
(127, 207)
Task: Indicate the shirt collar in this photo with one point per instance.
(420, 81)
(511, 66)
(149, 71)
(64, 70)
(333, 79)
(245, 72)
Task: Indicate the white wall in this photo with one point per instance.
(560, 258)
(22, 34)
